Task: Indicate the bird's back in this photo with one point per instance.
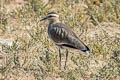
(63, 36)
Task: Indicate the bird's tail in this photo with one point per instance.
(86, 49)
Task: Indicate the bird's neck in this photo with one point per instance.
(54, 21)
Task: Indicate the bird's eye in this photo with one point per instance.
(50, 16)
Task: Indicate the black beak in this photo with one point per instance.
(44, 18)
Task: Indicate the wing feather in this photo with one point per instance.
(64, 36)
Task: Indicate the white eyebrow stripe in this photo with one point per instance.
(53, 15)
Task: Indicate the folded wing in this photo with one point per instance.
(64, 36)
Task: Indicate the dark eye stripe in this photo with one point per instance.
(51, 16)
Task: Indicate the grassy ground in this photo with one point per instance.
(26, 52)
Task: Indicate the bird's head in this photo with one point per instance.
(51, 17)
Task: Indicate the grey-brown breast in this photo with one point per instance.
(64, 36)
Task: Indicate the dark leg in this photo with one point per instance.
(66, 58)
(59, 58)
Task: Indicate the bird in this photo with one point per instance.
(63, 36)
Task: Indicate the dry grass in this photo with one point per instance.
(32, 56)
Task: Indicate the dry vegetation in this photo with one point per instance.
(26, 53)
